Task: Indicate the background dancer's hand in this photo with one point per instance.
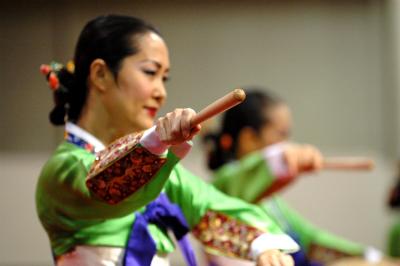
(274, 257)
(175, 127)
(302, 158)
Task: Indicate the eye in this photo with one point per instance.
(150, 72)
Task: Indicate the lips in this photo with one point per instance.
(152, 111)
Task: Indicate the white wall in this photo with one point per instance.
(328, 59)
(23, 241)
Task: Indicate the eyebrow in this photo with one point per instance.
(156, 63)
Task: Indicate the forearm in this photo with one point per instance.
(124, 178)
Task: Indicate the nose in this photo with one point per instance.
(160, 93)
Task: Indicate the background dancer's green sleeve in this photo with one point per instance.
(312, 239)
(250, 177)
(393, 245)
(247, 178)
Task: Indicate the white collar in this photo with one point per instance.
(86, 136)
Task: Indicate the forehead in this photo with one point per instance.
(151, 46)
(279, 113)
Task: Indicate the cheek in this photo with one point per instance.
(270, 137)
(138, 90)
(134, 93)
(144, 93)
(278, 137)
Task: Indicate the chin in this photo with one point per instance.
(148, 124)
(144, 125)
(140, 124)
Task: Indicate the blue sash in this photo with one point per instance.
(141, 248)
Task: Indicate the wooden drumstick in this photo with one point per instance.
(348, 163)
(222, 104)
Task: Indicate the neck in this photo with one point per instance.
(245, 144)
(97, 121)
(96, 129)
(243, 151)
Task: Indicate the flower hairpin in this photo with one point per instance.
(51, 72)
(226, 142)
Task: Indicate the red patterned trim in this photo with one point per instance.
(226, 235)
(324, 255)
(122, 169)
(277, 185)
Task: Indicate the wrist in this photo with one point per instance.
(182, 149)
(274, 157)
(151, 141)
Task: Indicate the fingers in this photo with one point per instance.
(302, 158)
(313, 159)
(185, 126)
(286, 260)
(318, 160)
(274, 258)
(175, 127)
(310, 158)
(161, 129)
(194, 131)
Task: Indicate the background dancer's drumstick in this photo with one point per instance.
(348, 163)
(222, 104)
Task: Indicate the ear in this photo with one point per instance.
(99, 75)
(247, 135)
(248, 141)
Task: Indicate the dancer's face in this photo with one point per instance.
(279, 126)
(140, 85)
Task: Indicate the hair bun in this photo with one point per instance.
(57, 115)
(60, 79)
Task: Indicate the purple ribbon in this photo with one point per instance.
(300, 257)
(141, 247)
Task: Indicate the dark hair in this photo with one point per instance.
(222, 147)
(111, 38)
(394, 195)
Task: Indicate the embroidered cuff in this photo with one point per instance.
(122, 168)
(274, 157)
(272, 241)
(151, 141)
(224, 235)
